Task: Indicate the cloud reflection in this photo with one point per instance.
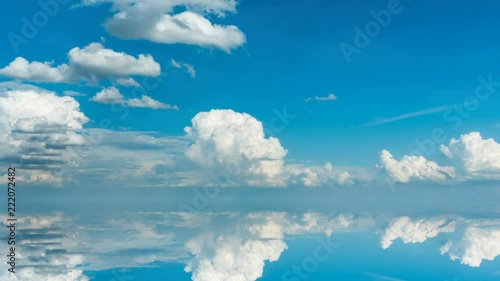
(222, 246)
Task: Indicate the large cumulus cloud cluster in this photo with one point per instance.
(234, 144)
(38, 128)
(230, 141)
(470, 241)
(472, 157)
(478, 158)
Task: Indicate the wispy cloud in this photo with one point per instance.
(327, 98)
(74, 94)
(408, 115)
(188, 68)
(382, 277)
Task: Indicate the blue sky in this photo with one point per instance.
(372, 107)
(292, 52)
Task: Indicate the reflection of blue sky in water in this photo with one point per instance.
(246, 246)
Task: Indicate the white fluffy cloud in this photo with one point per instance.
(480, 241)
(113, 96)
(91, 63)
(224, 140)
(479, 158)
(414, 168)
(94, 62)
(20, 68)
(233, 149)
(156, 21)
(37, 128)
(414, 231)
(109, 96)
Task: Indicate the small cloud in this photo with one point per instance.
(148, 102)
(108, 96)
(175, 64)
(327, 98)
(187, 67)
(190, 69)
(74, 94)
(127, 82)
(113, 96)
(382, 277)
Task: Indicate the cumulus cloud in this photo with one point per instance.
(479, 158)
(480, 241)
(95, 62)
(91, 63)
(414, 231)
(414, 168)
(330, 97)
(35, 71)
(232, 148)
(188, 68)
(157, 21)
(109, 96)
(226, 140)
(38, 128)
(113, 96)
